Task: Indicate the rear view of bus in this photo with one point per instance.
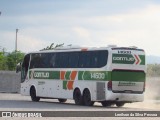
(128, 74)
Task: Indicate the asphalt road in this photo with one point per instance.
(16, 102)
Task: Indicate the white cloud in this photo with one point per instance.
(82, 32)
(24, 43)
(137, 27)
(27, 44)
(7, 40)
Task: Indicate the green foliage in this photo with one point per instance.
(2, 61)
(153, 70)
(9, 61)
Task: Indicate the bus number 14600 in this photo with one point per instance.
(97, 75)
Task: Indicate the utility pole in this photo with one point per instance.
(16, 47)
(3, 50)
(16, 41)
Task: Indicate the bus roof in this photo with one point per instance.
(75, 48)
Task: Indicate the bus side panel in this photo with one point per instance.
(53, 89)
(26, 85)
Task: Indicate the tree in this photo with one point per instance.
(9, 61)
(3, 58)
(14, 58)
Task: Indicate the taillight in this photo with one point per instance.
(144, 86)
(109, 85)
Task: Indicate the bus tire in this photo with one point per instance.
(120, 104)
(77, 97)
(106, 104)
(33, 94)
(62, 100)
(87, 98)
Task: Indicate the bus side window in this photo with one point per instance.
(25, 66)
(62, 60)
(94, 59)
(73, 60)
(36, 61)
(45, 60)
(52, 62)
(84, 59)
(103, 58)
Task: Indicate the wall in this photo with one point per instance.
(9, 81)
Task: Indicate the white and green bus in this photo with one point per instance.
(109, 75)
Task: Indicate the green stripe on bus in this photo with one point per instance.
(65, 84)
(67, 75)
(90, 75)
(142, 57)
(80, 73)
(33, 74)
(128, 76)
(94, 75)
(55, 75)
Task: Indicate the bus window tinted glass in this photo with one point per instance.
(35, 60)
(84, 59)
(62, 60)
(80, 59)
(73, 60)
(103, 57)
(42, 60)
(52, 60)
(93, 59)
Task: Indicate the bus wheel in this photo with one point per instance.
(62, 100)
(33, 95)
(106, 104)
(77, 97)
(120, 104)
(87, 98)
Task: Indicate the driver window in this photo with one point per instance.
(25, 66)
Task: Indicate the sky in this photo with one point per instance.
(80, 22)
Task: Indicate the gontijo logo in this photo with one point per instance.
(39, 74)
(128, 59)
